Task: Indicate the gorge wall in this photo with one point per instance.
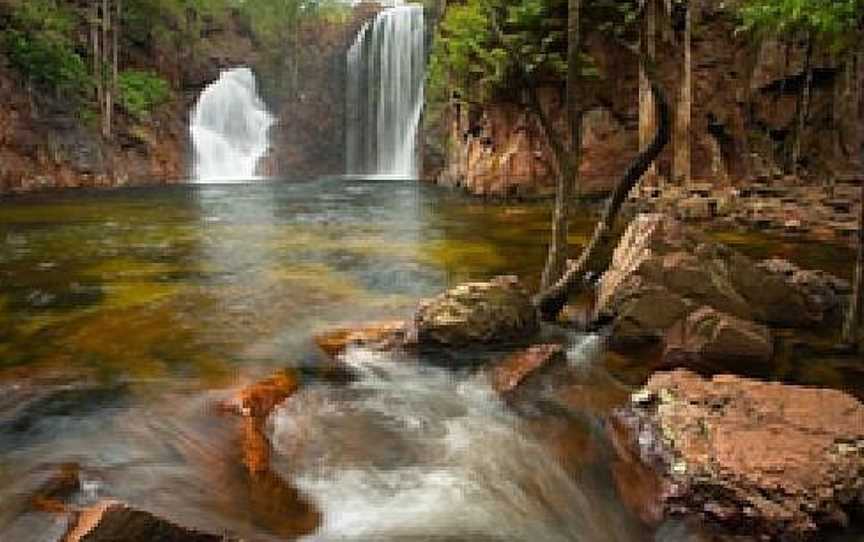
(742, 101)
(48, 142)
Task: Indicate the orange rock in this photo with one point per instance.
(52, 496)
(511, 372)
(378, 335)
(260, 398)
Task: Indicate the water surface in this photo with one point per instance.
(125, 315)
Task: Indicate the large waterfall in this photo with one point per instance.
(386, 68)
(229, 128)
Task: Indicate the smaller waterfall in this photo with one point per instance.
(386, 68)
(229, 128)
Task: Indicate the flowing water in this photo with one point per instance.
(126, 315)
(384, 95)
(229, 128)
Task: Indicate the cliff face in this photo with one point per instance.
(308, 138)
(44, 145)
(46, 142)
(743, 102)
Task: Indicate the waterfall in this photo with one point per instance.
(229, 128)
(384, 98)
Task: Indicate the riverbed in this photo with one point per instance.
(125, 315)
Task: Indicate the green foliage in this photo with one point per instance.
(40, 47)
(830, 22)
(141, 92)
(483, 47)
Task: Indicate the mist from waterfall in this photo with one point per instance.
(384, 98)
(229, 128)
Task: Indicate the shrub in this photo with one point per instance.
(140, 92)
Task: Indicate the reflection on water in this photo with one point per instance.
(125, 315)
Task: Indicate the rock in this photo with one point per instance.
(643, 312)
(55, 493)
(110, 521)
(378, 336)
(774, 300)
(707, 335)
(825, 295)
(259, 399)
(510, 373)
(772, 460)
(476, 313)
(661, 271)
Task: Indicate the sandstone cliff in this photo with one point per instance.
(742, 98)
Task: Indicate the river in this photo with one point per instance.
(125, 315)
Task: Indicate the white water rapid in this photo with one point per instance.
(384, 98)
(229, 127)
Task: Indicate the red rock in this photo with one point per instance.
(511, 372)
(771, 459)
(378, 335)
(259, 399)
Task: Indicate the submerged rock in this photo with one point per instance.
(111, 521)
(515, 369)
(764, 458)
(477, 313)
(707, 335)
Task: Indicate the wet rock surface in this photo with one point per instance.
(110, 521)
(519, 366)
(778, 461)
(377, 336)
(477, 313)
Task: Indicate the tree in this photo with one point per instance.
(831, 25)
(853, 328)
(489, 49)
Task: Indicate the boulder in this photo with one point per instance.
(772, 460)
(661, 272)
(825, 294)
(477, 313)
(111, 521)
(518, 367)
(709, 336)
(643, 312)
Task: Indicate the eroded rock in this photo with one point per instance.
(497, 311)
(774, 460)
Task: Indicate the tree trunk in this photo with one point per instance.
(118, 12)
(551, 300)
(683, 116)
(97, 56)
(568, 176)
(647, 119)
(802, 107)
(852, 330)
(106, 61)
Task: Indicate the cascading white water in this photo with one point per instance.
(229, 128)
(384, 99)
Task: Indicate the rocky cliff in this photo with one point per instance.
(47, 141)
(742, 101)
